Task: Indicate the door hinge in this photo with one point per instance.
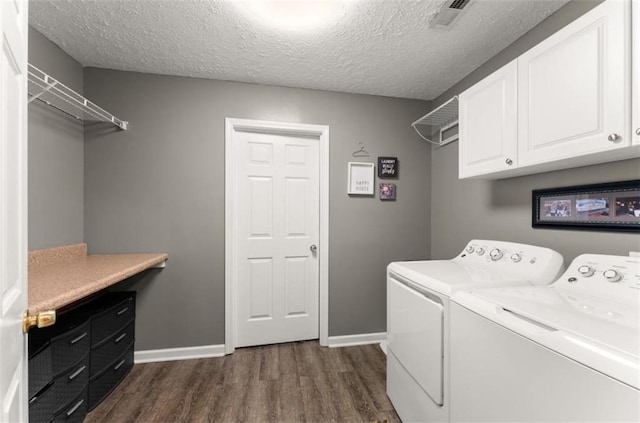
(41, 320)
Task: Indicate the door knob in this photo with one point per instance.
(638, 131)
(509, 162)
(313, 248)
(614, 137)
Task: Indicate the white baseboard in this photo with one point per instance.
(208, 351)
(361, 339)
(172, 354)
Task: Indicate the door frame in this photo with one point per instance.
(320, 132)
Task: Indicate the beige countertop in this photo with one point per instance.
(60, 276)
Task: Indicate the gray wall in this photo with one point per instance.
(160, 187)
(56, 150)
(467, 209)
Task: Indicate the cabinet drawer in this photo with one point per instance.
(41, 405)
(74, 412)
(71, 383)
(113, 347)
(115, 317)
(70, 347)
(101, 385)
(40, 370)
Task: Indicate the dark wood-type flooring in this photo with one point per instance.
(294, 382)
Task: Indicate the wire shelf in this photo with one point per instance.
(432, 126)
(53, 93)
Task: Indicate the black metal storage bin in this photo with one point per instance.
(76, 363)
(69, 348)
(102, 384)
(42, 405)
(73, 412)
(69, 338)
(118, 309)
(40, 366)
(70, 384)
(103, 354)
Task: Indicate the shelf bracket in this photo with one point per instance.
(57, 95)
(437, 122)
(44, 90)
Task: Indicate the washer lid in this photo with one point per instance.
(448, 276)
(599, 333)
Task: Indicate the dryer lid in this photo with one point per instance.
(448, 276)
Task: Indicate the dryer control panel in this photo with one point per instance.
(538, 265)
(612, 277)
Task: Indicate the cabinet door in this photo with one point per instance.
(574, 88)
(635, 106)
(488, 126)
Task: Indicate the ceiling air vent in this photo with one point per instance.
(451, 10)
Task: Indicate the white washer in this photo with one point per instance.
(565, 352)
(418, 295)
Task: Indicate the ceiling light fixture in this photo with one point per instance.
(296, 15)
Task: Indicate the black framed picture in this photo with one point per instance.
(387, 167)
(613, 206)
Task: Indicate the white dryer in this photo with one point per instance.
(418, 295)
(568, 352)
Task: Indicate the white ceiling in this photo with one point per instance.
(380, 47)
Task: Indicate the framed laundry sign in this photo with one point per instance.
(387, 167)
(360, 178)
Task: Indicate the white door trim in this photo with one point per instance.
(321, 132)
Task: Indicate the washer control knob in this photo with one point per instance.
(515, 257)
(495, 254)
(470, 249)
(480, 251)
(612, 275)
(586, 271)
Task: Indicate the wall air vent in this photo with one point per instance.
(451, 10)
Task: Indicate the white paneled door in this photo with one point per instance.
(277, 237)
(13, 210)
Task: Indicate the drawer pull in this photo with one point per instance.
(77, 373)
(121, 312)
(78, 338)
(75, 407)
(121, 337)
(119, 365)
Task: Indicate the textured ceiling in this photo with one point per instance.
(380, 47)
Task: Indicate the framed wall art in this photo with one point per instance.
(613, 206)
(387, 167)
(387, 191)
(360, 178)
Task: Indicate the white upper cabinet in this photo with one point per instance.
(635, 106)
(571, 105)
(488, 124)
(573, 88)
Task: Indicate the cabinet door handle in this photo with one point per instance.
(509, 162)
(121, 337)
(78, 338)
(638, 131)
(121, 312)
(119, 365)
(75, 407)
(614, 137)
(77, 373)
